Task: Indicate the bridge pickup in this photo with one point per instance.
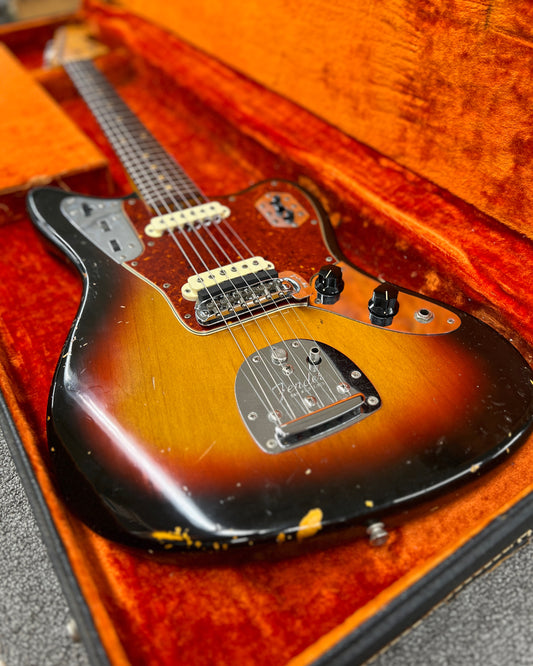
(228, 278)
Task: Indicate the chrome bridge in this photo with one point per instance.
(298, 391)
(244, 296)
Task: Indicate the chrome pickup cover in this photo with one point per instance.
(298, 391)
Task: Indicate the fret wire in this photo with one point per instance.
(117, 119)
(112, 131)
(265, 402)
(154, 192)
(134, 160)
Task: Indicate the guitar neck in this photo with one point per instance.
(159, 179)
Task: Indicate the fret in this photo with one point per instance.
(159, 179)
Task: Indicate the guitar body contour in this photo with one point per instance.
(158, 434)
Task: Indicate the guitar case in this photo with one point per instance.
(425, 181)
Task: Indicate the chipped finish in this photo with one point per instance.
(310, 524)
(177, 535)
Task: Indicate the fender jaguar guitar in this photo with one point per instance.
(230, 378)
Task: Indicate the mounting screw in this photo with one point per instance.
(377, 534)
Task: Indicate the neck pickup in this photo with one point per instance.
(212, 210)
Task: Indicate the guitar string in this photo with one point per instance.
(141, 130)
(100, 95)
(278, 371)
(125, 126)
(100, 107)
(294, 310)
(282, 340)
(142, 133)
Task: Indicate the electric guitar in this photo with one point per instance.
(231, 379)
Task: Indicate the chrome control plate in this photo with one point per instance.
(105, 224)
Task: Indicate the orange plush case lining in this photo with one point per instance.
(228, 132)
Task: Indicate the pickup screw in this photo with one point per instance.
(343, 387)
(377, 534)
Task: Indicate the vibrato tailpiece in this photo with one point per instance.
(298, 391)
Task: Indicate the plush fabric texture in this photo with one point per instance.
(443, 88)
(228, 132)
(42, 145)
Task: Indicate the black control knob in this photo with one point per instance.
(383, 305)
(329, 284)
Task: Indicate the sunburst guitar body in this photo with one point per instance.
(230, 379)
